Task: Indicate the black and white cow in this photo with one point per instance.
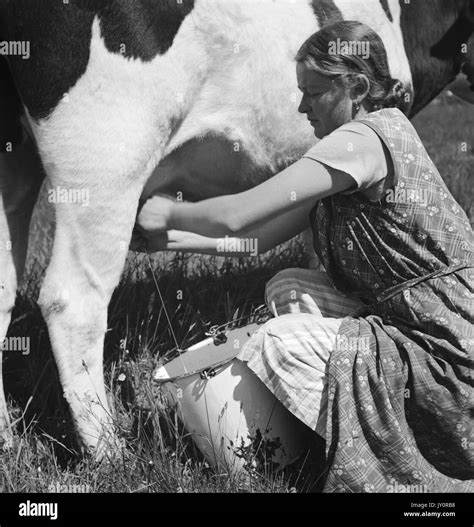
(203, 89)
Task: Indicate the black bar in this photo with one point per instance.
(319, 509)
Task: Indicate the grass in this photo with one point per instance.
(447, 131)
(158, 456)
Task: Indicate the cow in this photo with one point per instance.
(202, 91)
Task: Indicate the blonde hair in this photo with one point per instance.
(316, 54)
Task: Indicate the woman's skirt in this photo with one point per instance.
(290, 352)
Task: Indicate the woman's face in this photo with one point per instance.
(327, 104)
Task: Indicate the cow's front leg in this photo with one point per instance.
(99, 145)
(91, 242)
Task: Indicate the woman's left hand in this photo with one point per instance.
(154, 217)
(140, 244)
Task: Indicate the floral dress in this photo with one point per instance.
(400, 404)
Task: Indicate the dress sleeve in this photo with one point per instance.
(355, 149)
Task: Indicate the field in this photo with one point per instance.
(158, 457)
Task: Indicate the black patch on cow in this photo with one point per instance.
(326, 12)
(146, 27)
(386, 8)
(60, 33)
(433, 44)
(458, 34)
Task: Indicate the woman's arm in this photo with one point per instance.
(306, 181)
(250, 243)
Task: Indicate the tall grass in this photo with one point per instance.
(158, 455)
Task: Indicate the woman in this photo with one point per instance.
(375, 355)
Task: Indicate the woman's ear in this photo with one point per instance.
(360, 87)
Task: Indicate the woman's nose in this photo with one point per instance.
(303, 107)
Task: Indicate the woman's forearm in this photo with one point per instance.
(300, 185)
(211, 218)
(306, 181)
(250, 243)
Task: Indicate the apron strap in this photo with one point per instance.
(395, 290)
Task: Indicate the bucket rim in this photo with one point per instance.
(161, 376)
(213, 366)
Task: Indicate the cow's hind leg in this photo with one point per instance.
(21, 175)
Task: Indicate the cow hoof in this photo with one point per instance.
(6, 440)
(107, 451)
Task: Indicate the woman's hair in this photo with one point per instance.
(350, 47)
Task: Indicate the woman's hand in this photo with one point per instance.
(154, 217)
(173, 241)
(140, 244)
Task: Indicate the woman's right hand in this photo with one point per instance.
(154, 217)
